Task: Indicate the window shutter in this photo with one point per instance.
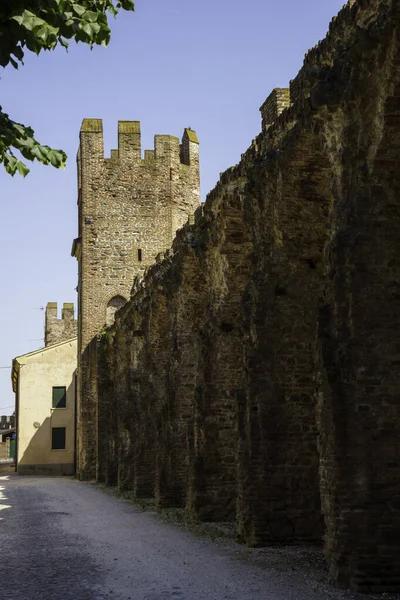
(59, 397)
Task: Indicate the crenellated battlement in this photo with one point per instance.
(167, 148)
(346, 31)
(130, 207)
(129, 142)
(314, 85)
(57, 330)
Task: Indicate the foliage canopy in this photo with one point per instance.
(37, 25)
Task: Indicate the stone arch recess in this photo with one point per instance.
(114, 304)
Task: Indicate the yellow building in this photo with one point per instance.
(44, 385)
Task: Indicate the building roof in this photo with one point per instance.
(18, 361)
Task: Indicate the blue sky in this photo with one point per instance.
(208, 65)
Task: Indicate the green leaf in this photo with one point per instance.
(18, 52)
(12, 165)
(78, 9)
(57, 158)
(113, 10)
(39, 153)
(91, 29)
(42, 33)
(22, 168)
(60, 5)
(126, 4)
(19, 129)
(37, 25)
(90, 16)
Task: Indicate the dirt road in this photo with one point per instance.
(66, 540)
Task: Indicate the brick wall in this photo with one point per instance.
(129, 210)
(274, 105)
(254, 372)
(58, 330)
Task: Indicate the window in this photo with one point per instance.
(59, 397)
(139, 255)
(58, 438)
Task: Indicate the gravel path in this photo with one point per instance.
(66, 540)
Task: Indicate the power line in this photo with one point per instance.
(5, 367)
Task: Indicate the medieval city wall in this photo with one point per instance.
(254, 374)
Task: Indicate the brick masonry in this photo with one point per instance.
(58, 330)
(254, 373)
(275, 104)
(129, 210)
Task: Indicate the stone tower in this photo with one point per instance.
(129, 210)
(58, 330)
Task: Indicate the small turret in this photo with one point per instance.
(58, 330)
(275, 104)
(189, 147)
